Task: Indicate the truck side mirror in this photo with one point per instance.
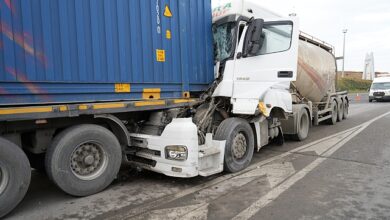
(253, 40)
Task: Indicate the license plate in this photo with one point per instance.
(378, 97)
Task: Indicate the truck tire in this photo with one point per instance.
(15, 176)
(84, 159)
(334, 113)
(340, 111)
(303, 126)
(239, 143)
(346, 109)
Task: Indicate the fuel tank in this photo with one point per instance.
(316, 72)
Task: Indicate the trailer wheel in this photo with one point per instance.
(346, 109)
(303, 126)
(340, 111)
(84, 159)
(239, 143)
(15, 176)
(333, 119)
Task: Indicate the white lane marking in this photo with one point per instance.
(175, 213)
(277, 191)
(198, 214)
(275, 172)
(322, 147)
(167, 199)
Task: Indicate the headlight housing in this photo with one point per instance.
(176, 152)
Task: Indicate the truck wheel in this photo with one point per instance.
(340, 111)
(346, 109)
(333, 119)
(15, 176)
(303, 126)
(239, 143)
(84, 159)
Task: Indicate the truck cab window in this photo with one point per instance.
(277, 38)
(380, 86)
(224, 38)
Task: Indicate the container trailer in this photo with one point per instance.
(183, 88)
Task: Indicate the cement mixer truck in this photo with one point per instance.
(193, 90)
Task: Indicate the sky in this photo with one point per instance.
(368, 24)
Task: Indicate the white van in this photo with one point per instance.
(380, 89)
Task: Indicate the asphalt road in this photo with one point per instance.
(339, 172)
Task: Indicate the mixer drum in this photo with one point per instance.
(316, 72)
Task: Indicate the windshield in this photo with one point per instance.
(224, 37)
(381, 86)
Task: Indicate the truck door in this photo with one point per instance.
(274, 65)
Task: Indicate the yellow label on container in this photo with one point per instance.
(122, 88)
(168, 34)
(160, 54)
(167, 12)
(151, 94)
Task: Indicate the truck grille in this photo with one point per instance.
(379, 94)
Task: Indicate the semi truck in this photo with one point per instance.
(182, 88)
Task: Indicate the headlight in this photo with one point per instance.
(176, 153)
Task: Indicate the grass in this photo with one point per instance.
(354, 85)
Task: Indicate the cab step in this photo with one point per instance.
(211, 156)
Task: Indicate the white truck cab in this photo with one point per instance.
(256, 54)
(256, 65)
(380, 89)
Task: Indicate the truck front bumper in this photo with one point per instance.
(165, 154)
(379, 98)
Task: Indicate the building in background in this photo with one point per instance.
(369, 67)
(382, 74)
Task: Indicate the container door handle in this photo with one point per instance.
(285, 74)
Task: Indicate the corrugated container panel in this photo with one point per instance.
(58, 51)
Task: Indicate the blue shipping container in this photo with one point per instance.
(60, 51)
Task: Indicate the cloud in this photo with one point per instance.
(373, 17)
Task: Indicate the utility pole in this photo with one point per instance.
(345, 33)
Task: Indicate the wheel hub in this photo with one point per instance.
(239, 146)
(88, 161)
(4, 179)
